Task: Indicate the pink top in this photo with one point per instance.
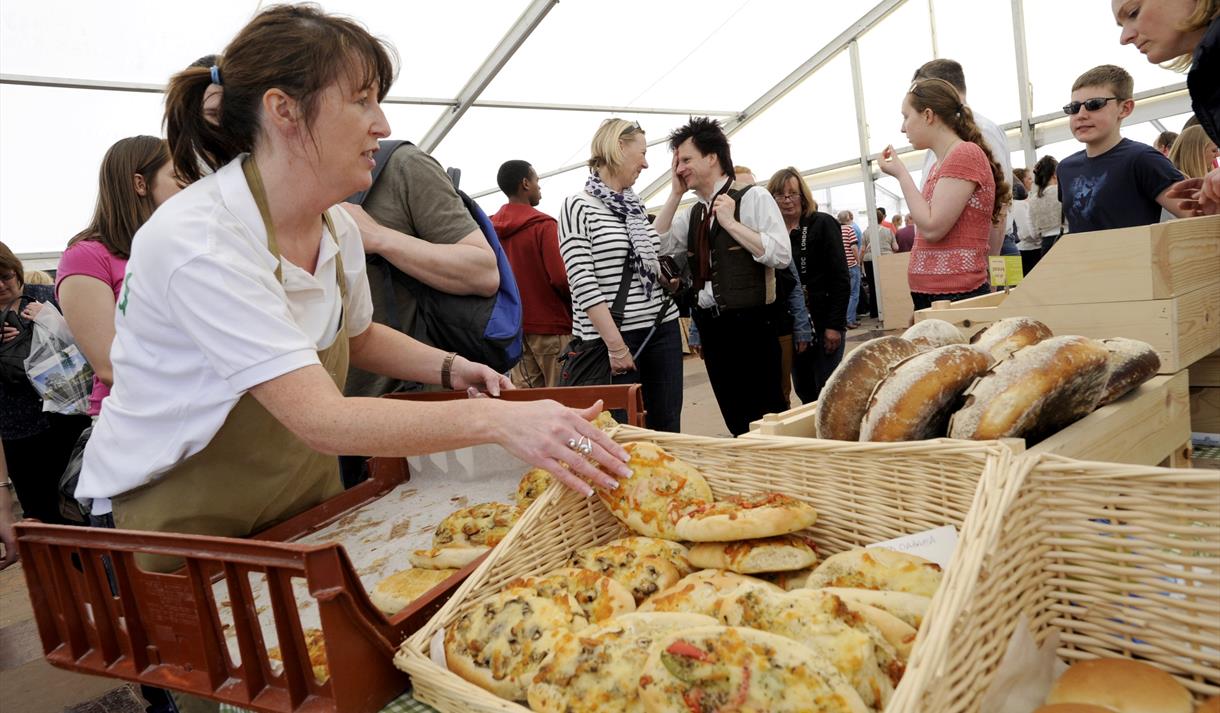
(957, 262)
(89, 257)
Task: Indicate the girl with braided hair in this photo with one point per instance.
(964, 193)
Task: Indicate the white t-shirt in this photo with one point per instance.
(996, 141)
(202, 319)
(759, 212)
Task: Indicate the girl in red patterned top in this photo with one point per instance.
(962, 196)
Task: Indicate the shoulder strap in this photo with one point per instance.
(619, 308)
(384, 150)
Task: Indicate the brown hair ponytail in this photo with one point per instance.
(940, 96)
(297, 49)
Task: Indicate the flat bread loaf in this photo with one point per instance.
(844, 399)
(446, 557)
(744, 517)
(642, 575)
(722, 668)
(395, 592)
(1132, 362)
(771, 554)
(315, 648)
(532, 485)
(1008, 335)
(597, 670)
(484, 524)
(703, 591)
(932, 333)
(656, 494)
(1035, 392)
(675, 553)
(501, 643)
(914, 402)
(878, 568)
(599, 597)
(910, 608)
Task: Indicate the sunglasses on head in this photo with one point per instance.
(634, 127)
(1093, 104)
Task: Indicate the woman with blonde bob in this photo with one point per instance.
(1193, 152)
(611, 253)
(965, 192)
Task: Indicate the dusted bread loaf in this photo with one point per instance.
(1121, 685)
(844, 399)
(932, 333)
(1036, 391)
(1132, 362)
(915, 400)
(1003, 338)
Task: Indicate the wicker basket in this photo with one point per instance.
(864, 493)
(1101, 552)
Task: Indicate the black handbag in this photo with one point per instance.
(13, 353)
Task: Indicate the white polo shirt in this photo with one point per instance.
(202, 319)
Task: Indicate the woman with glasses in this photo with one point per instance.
(964, 194)
(619, 292)
(817, 253)
(36, 444)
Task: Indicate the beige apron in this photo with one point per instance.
(254, 472)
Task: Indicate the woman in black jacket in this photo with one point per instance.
(817, 250)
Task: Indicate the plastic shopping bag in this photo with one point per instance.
(59, 372)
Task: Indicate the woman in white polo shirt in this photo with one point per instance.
(246, 297)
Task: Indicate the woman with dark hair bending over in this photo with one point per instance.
(964, 193)
(246, 297)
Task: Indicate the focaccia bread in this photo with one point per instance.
(772, 554)
(702, 592)
(744, 517)
(446, 557)
(910, 608)
(484, 524)
(932, 333)
(878, 568)
(897, 632)
(533, 484)
(788, 580)
(395, 592)
(1035, 392)
(656, 494)
(642, 575)
(597, 670)
(1008, 335)
(315, 647)
(599, 597)
(914, 402)
(675, 553)
(501, 643)
(724, 668)
(1132, 362)
(821, 621)
(604, 421)
(844, 399)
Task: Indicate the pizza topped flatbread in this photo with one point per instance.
(725, 668)
(397, 591)
(643, 575)
(878, 568)
(485, 524)
(501, 643)
(769, 554)
(703, 591)
(533, 484)
(910, 608)
(676, 553)
(315, 646)
(597, 670)
(657, 493)
(743, 517)
(599, 596)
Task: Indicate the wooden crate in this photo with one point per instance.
(1157, 283)
(1149, 426)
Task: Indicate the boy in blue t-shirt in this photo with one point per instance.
(1114, 182)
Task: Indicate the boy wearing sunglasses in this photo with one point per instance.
(1114, 182)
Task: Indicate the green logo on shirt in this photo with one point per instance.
(126, 293)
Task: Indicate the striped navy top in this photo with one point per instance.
(594, 242)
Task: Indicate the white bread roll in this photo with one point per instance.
(932, 333)
(1122, 685)
(1132, 362)
(1008, 335)
(1035, 392)
(915, 400)
(844, 399)
(1073, 708)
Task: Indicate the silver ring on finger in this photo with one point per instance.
(573, 444)
(585, 446)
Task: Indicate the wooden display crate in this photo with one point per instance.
(1205, 394)
(1157, 283)
(1149, 426)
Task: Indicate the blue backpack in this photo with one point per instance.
(482, 329)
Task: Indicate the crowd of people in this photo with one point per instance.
(238, 313)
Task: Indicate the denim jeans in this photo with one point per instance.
(853, 297)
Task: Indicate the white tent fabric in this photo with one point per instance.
(647, 61)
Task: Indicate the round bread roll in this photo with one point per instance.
(1211, 705)
(932, 333)
(844, 399)
(1132, 362)
(1006, 336)
(1073, 708)
(1122, 685)
(770, 554)
(1035, 392)
(394, 593)
(915, 400)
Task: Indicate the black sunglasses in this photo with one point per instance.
(634, 127)
(1091, 104)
